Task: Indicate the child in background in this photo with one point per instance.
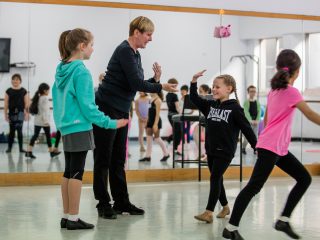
(41, 110)
(224, 120)
(204, 92)
(73, 89)
(184, 90)
(173, 109)
(154, 125)
(273, 144)
(16, 103)
(141, 106)
(252, 111)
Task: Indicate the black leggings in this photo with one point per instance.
(37, 130)
(15, 126)
(217, 168)
(262, 169)
(58, 137)
(176, 135)
(74, 164)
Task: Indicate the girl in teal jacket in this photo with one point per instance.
(74, 111)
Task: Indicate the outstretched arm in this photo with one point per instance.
(308, 112)
(201, 103)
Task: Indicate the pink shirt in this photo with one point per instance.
(281, 104)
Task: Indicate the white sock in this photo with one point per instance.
(162, 145)
(73, 218)
(149, 146)
(65, 215)
(231, 227)
(284, 219)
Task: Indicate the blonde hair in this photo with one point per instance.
(70, 39)
(142, 24)
(230, 81)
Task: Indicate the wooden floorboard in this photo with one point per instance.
(157, 175)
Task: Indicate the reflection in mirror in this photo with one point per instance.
(14, 87)
(310, 151)
(179, 48)
(182, 49)
(249, 54)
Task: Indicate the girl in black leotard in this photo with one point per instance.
(154, 125)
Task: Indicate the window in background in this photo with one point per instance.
(269, 50)
(312, 48)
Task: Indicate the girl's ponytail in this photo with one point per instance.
(33, 109)
(64, 52)
(236, 95)
(69, 41)
(280, 79)
(288, 62)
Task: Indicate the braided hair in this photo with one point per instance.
(230, 81)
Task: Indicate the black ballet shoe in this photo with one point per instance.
(286, 228)
(63, 223)
(30, 155)
(79, 224)
(165, 158)
(145, 159)
(234, 235)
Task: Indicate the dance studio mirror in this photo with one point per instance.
(183, 44)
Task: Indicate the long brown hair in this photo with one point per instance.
(70, 40)
(288, 62)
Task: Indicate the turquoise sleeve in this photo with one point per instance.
(85, 96)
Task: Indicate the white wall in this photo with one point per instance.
(182, 42)
(307, 7)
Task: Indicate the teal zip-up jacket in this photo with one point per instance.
(74, 108)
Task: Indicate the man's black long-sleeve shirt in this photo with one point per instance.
(223, 124)
(124, 77)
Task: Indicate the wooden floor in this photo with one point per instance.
(161, 175)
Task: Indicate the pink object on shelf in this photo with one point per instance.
(222, 31)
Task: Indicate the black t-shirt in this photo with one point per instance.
(253, 109)
(16, 99)
(171, 99)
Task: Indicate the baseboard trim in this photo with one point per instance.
(156, 175)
